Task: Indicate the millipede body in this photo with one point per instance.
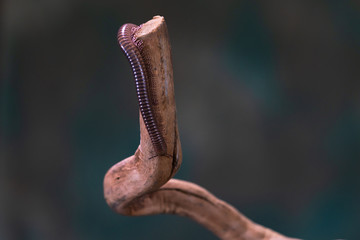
(131, 47)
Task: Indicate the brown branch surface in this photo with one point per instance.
(140, 184)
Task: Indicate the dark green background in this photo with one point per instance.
(268, 99)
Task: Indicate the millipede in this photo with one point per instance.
(132, 49)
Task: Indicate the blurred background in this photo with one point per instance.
(268, 100)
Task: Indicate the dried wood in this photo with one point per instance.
(142, 185)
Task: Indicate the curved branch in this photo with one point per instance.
(141, 185)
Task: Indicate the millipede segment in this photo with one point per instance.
(131, 47)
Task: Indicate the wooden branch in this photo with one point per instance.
(141, 185)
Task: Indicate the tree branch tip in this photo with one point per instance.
(149, 27)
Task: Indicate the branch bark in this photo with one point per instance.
(142, 185)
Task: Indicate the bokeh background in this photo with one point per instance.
(268, 100)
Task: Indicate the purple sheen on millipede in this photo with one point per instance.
(131, 47)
